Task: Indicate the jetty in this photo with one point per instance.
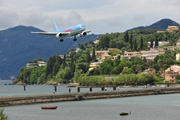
(46, 98)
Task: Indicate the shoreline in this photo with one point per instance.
(48, 98)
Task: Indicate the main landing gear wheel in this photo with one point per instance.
(61, 40)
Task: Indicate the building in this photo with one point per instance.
(178, 43)
(161, 51)
(173, 48)
(105, 56)
(173, 69)
(149, 55)
(100, 54)
(150, 70)
(31, 65)
(115, 57)
(170, 78)
(96, 42)
(177, 56)
(170, 74)
(129, 55)
(160, 31)
(42, 63)
(12, 77)
(77, 49)
(160, 43)
(61, 56)
(94, 65)
(172, 28)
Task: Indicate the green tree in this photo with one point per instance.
(117, 61)
(77, 74)
(135, 45)
(82, 66)
(117, 70)
(126, 37)
(42, 79)
(72, 65)
(141, 44)
(156, 43)
(53, 66)
(36, 73)
(130, 40)
(50, 65)
(91, 42)
(64, 61)
(103, 41)
(24, 75)
(106, 66)
(120, 44)
(86, 44)
(91, 80)
(151, 43)
(88, 57)
(81, 46)
(68, 73)
(127, 71)
(93, 56)
(147, 78)
(57, 65)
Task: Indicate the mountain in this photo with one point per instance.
(18, 46)
(160, 25)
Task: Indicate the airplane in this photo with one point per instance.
(67, 32)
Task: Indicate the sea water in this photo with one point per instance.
(153, 107)
(11, 90)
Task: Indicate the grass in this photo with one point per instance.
(2, 115)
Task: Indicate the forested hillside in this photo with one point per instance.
(74, 66)
(135, 40)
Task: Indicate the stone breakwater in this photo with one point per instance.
(32, 99)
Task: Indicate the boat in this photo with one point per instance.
(49, 108)
(124, 113)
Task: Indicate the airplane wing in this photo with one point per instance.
(52, 33)
(87, 31)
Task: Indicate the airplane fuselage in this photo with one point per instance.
(73, 30)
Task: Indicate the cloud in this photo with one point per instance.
(7, 18)
(107, 15)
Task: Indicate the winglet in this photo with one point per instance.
(55, 26)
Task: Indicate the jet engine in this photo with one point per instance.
(59, 35)
(83, 34)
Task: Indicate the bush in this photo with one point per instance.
(91, 80)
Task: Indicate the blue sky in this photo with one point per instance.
(106, 15)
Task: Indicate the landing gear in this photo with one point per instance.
(61, 40)
(74, 38)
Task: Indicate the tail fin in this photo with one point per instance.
(55, 26)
